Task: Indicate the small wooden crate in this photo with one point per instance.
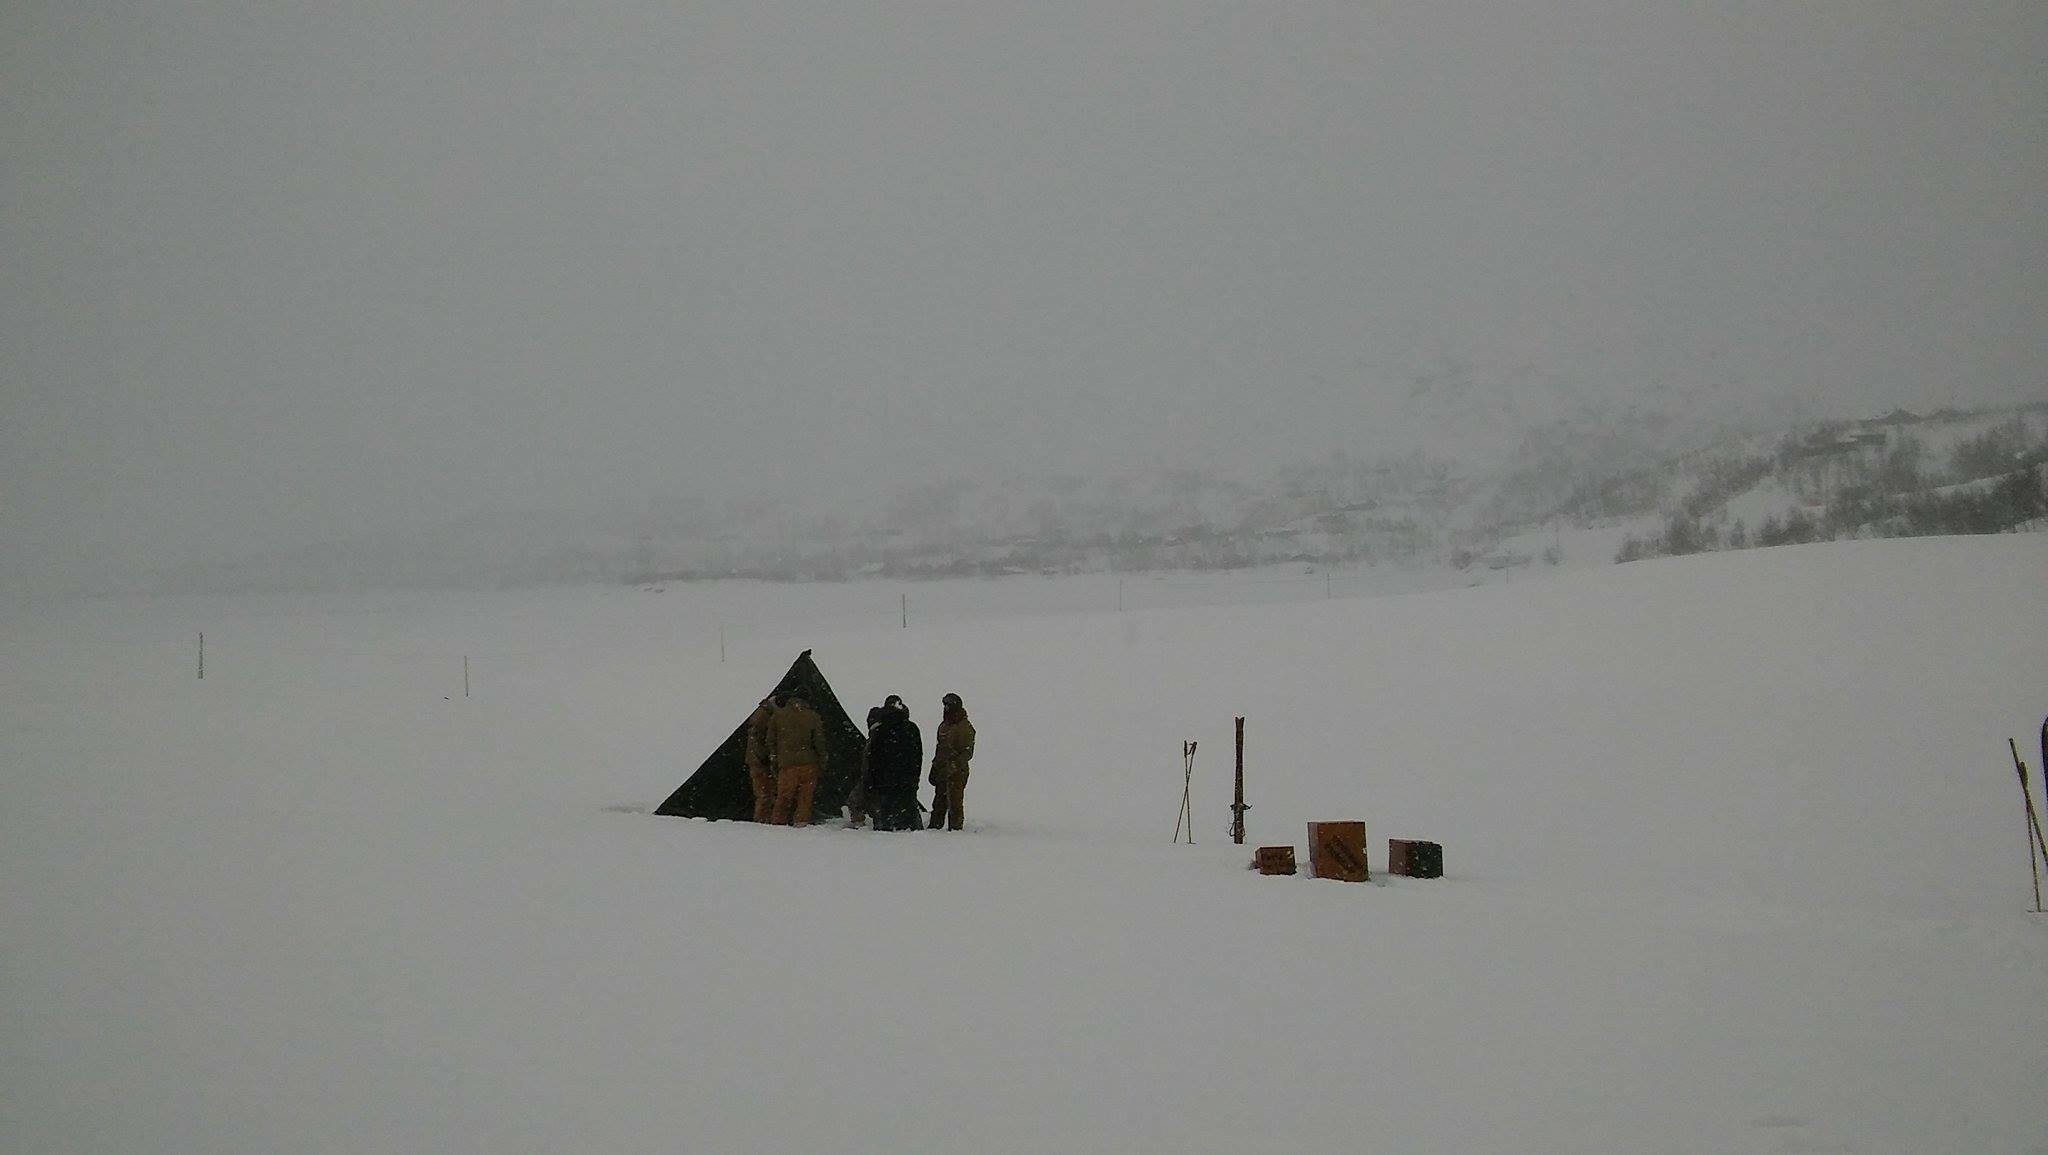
(1337, 850)
(1414, 858)
(1273, 860)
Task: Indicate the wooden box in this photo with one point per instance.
(1273, 860)
(1337, 850)
(1414, 859)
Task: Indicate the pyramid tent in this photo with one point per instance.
(720, 787)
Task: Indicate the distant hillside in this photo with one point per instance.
(1630, 474)
(1899, 475)
(1588, 486)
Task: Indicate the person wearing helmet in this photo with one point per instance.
(895, 751)
(952, 749)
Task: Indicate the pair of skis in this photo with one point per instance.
(2037, 846)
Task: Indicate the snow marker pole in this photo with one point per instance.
(2033, 824)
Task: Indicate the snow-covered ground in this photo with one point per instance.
(1733, 847)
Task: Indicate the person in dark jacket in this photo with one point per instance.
(952, 749)
(895, 752)
(857, 798)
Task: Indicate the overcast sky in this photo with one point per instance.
(281, 273)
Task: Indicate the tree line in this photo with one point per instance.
(1865, 486)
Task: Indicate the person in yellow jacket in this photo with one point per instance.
(952, 750)
(760, 771)
(797, 747)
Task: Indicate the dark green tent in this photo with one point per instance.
(720, 788)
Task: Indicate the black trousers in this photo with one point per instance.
(894, 809)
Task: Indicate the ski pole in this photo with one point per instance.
(2033, 815)
(2034, 839)
(1187, 814)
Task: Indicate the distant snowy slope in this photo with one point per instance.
(1732, 848)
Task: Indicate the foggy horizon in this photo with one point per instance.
(274, 278)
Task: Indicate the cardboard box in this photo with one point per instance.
(1273, 860)
(1413, 858)
(1337, 850)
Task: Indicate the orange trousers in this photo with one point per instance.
(764, 792)
(794, 786)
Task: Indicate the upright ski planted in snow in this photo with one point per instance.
(1237, 806)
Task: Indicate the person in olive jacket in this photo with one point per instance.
(952, 749)
(895, 751)
(797, 744)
